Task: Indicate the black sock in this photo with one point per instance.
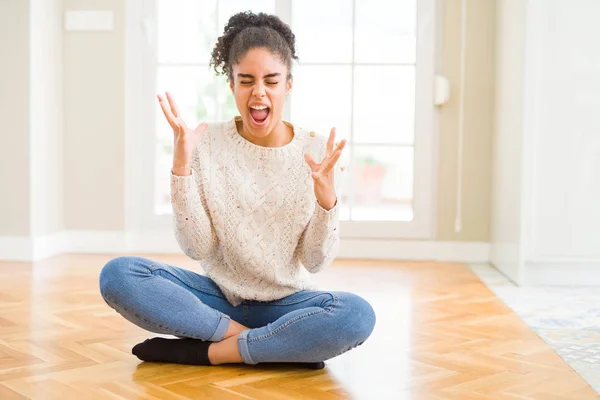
(314, 365)
(187, 351)
(179, 351)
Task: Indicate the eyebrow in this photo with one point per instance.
(273, 75)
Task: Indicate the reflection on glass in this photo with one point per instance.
(323, 36)
(186, 30)
(162, 175)
(225, 100)
(384, 104)
(382, 180)
(194, 88)
(342, 182)
(321, 99)
(227, 8)
(385, 31)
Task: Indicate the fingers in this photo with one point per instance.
(330, 161)
(330, 142)
(172, 113)
(167, 112)
(311, 161)
(173, 105)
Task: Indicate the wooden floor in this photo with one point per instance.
(441, 334)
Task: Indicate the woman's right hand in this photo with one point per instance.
(185, 139)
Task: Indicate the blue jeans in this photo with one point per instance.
(308, 326)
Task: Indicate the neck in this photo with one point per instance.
(280, 135)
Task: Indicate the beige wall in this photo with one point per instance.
(94, 127)
(478, 111)
(30, 157)
(14, 118)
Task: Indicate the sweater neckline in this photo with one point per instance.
(262, 151)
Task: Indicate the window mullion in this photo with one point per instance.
(215, 78)
(283, 9)
(351, 147)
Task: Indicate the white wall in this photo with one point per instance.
(546, 212)
(508, 137)
(565, 130)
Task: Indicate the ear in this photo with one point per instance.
(231, 86)
(289, 84)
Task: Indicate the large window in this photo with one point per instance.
(366, 67)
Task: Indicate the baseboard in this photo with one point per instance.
(50, 245)
(542, 272)
(41, 247)
(564, 273)
(159, 242)
(505, 258)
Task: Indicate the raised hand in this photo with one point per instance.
(323, 173)
(185, 139)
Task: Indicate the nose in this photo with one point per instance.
(258, 91)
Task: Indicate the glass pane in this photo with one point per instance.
(386, 31)
(342, 183)
(194, 90)
(227, 8)
(323, 30)
(382, 183)
(225, 100)
(162, 175)
(186, 30)
(384, 104)
(321, 99)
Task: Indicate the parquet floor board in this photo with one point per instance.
(440, 334)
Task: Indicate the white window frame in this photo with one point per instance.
(140, 131)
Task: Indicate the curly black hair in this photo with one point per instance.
(247, 30)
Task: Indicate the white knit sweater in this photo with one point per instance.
(249, 214)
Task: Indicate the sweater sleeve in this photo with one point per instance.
(320, 240)
(193, 228)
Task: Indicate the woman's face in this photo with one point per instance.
(259, 86)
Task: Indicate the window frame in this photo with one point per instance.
(140, 141)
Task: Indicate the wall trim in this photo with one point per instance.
(573, 271)
(505, 257)
(157, 242)
(564, 273)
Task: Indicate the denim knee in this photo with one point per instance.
(115, 275)
(360, 318)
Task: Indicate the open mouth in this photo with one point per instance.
(259, 114)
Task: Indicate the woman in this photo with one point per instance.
(255, 207)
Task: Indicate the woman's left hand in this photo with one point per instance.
(322, 173)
